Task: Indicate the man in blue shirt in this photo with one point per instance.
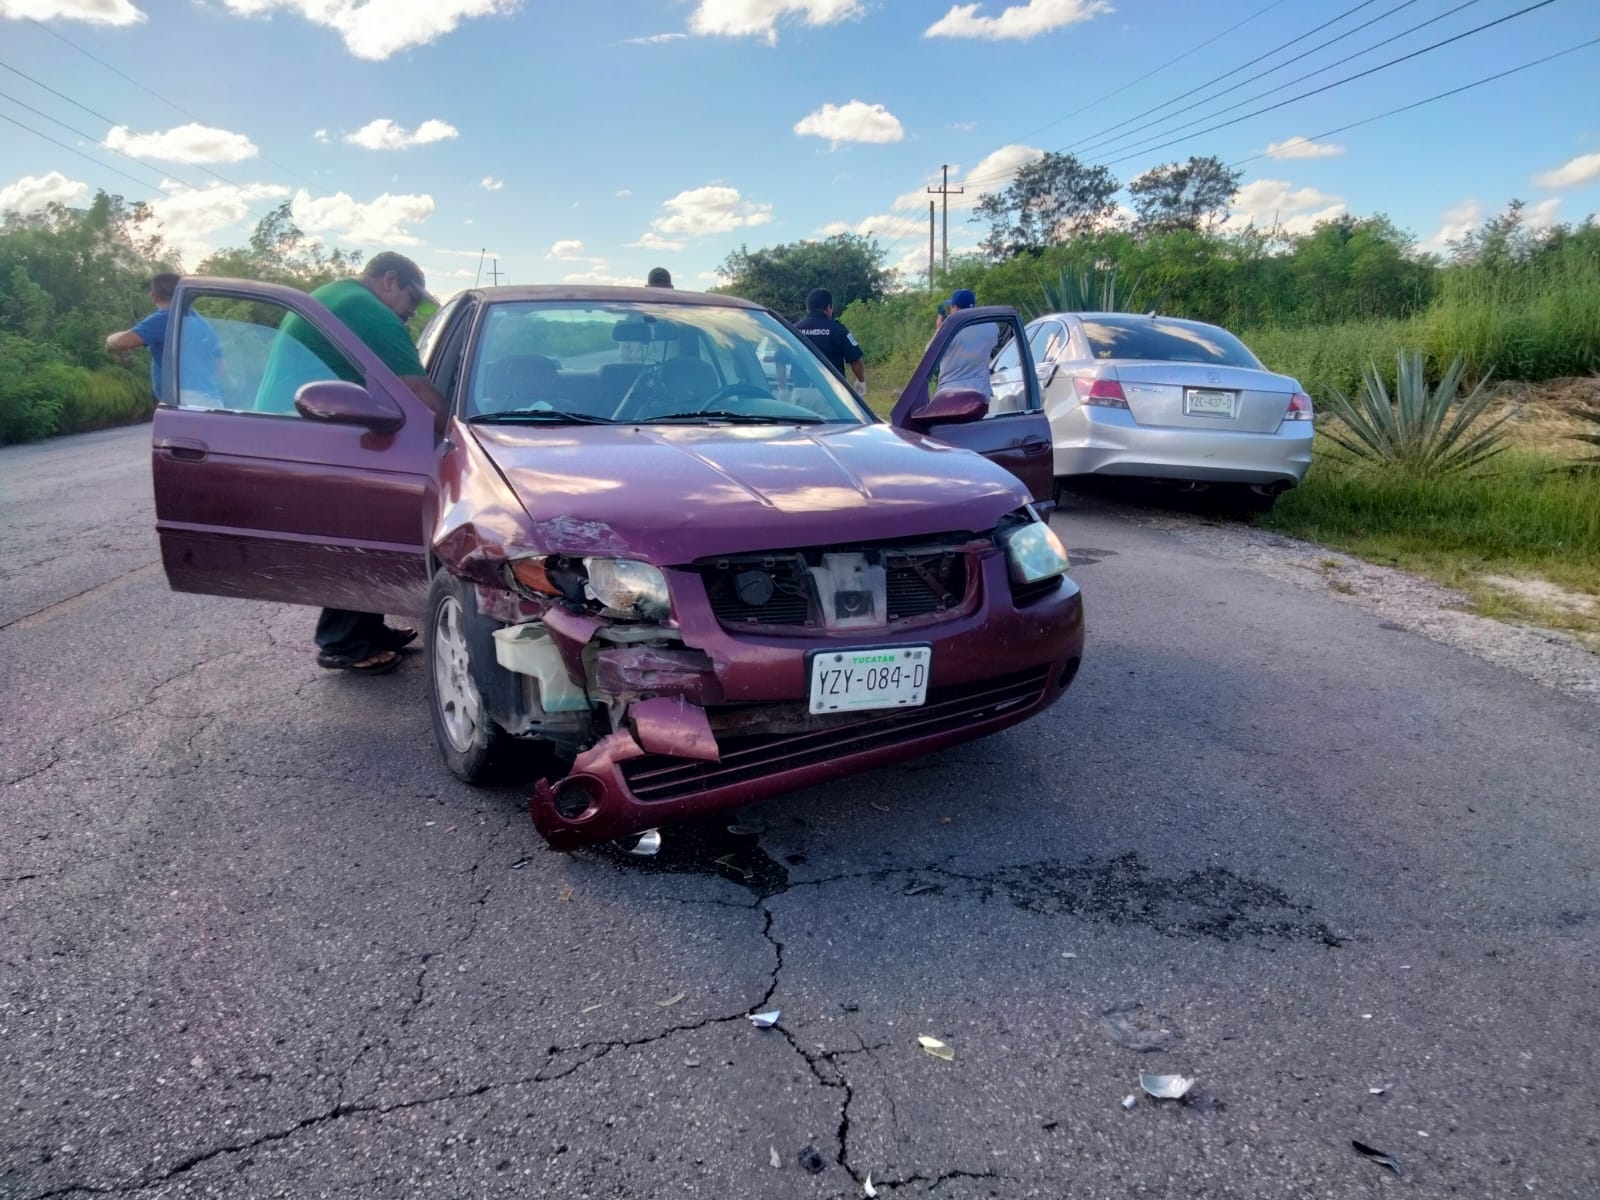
(202, 354)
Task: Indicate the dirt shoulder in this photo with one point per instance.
(1556, 659)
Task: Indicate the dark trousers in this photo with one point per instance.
(355, 635)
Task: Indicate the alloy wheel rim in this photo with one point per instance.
(460, 709)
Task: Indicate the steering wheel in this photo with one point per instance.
(729, 391)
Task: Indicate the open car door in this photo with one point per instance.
(976, 388)
(289, 463)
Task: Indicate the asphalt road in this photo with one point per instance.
(256, 942)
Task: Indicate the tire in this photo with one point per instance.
(462, 674)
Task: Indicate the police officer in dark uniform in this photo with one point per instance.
(832, 340)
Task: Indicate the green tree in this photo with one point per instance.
(280, 252)
(1049, 201)
(848, 265)
(1191, 195)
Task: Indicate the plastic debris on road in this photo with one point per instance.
(670, 1000)
(731, 861)
(936, 1048)
(1375, 1091)
(648, 844)
(867, 1186)
(916, 889)
(1166, 1087)
(1129, 1101)
(773, 1157)
(764, 1020)
(1377, 1156)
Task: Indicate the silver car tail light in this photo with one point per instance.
(1101, 393)
(1299, 408)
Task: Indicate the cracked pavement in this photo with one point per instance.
(255, 941)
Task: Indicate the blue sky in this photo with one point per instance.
(594, 140)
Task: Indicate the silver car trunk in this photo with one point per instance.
(1205, 396)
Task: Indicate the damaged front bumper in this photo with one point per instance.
(705, 737)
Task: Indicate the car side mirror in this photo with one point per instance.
(342, 403)
(954, 406)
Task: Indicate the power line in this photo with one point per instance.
(1338, 82)
(71, 150)
(173, 104)
(1297, 79)
(1132, 83)
(1440, 95)
(1218, 79)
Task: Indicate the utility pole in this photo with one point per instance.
(476, 279)
(946, 191)
(494, 271)
(930, 245)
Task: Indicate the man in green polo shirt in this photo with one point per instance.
(374, 306)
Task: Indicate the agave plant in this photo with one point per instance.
(1425, 431)
(1593, 439)
(1088, 287)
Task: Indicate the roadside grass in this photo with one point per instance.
(1524, 518)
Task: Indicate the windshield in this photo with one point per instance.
(538, 361)
(1154, 339)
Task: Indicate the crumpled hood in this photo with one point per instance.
(672, 494)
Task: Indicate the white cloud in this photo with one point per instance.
(384, 134)
(963, 126)
(33, 192)
(654, 241)
(381, 222)
(189, 143)
(1541, 215)
(759, 18)
(1278, 204)
(1299, 147)
(484, 253)
(1016, 23)
(599, 275)
(96, 12)
(992, 173)
(1583, 169)
(189, 216)
(624, 192)
(885, 225)
(856, 121)
(569, 249)
(654, 39)
(376, 29)
(490, 184)
(1457, 222)
(320, 135)
(711, 209)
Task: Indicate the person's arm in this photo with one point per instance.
(422, 387)
(123, 341)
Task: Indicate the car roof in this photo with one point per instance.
(589, 291)
(1125, 316)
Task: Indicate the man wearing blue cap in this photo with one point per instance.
(965, 362)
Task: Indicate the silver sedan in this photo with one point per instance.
(1163, 398)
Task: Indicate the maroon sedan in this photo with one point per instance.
(688, 579)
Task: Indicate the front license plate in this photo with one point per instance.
(1203, 403)
(848, 680)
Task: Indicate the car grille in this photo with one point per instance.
(921, 580)
(746, 757)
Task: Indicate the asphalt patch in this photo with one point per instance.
(710, 849)
(1214, 903)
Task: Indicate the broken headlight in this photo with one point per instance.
(1034, 553)
(628, 589)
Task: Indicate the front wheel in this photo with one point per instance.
(460, 656)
